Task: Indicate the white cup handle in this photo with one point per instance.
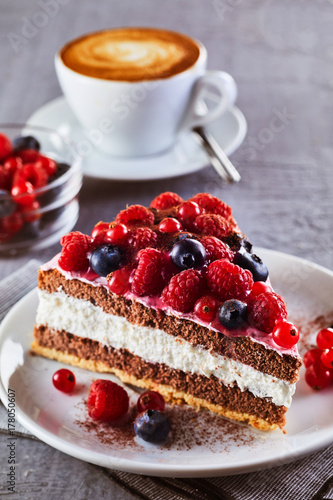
(227, 90)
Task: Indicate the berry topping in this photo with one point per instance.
(187, 214)
(119, 282)
(117, 235)
(260, 287)
(318, 377)
(285, 334)
(23, 193)
(188, 253)
(232, 314)
(169, 225)
(135, 215)
(325, 338)
(312, 357)
(216, 249)
(253, 263)
(212, 205)
(47, 164)
(107, 401)
(228, 281)
(148, 276)
(166, 200)
(5, 147)
(327, 358)
(152, 426)
(184, 290)
(150, 400)
(7, 204)
(64, 380)
(212, 225)
(265, 310)
(26, 142)
(205, 308)
(73, 256)
(105, 259)
(141, 238)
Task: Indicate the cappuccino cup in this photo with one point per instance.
(135, 89)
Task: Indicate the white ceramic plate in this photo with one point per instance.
(202, 444)
(186, 157)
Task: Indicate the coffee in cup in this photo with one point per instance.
(135, 89)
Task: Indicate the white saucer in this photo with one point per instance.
(186, 157)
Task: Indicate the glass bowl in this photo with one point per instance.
(38, 219)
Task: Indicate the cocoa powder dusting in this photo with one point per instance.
(189, 429)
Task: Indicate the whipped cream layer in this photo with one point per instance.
(81, 318)
(93, 279)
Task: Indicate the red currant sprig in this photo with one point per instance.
(319, 361)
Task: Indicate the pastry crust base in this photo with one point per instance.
(169, 393)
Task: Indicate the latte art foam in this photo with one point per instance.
(131, 54)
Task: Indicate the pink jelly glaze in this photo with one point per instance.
(156, 302)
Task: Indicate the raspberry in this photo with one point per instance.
(142, 237)
(184, 290)
(107, 401)
(23, 193)
(5, 146)
(5, 181)
(148, 278)
(213, 225)
(46, 164)
(166, 200)
(265, 310)
(228, 281)
(31, 213)
(12, 164)
(212, 205)
(216, 249)
(32, 173)
(135, 214)
(73, 256)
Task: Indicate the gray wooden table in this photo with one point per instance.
(281, 55)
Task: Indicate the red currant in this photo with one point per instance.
(30, 213)
(64, 380)
(325, 338)
(169, 225)
(318, 377)
(187, 212)
(117, 235)
(150, 400)
(5, 180)
(47, 164)
(22, 193)
(285, 334)
(327, 358)
(5, 146)
(98, 234)
(312, 357)
(10, 225)
(13, 164)
(119, 283)
(260, 287)
(205, 308)
(28, 155)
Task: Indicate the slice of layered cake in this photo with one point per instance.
(172, 298)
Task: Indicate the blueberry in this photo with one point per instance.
(232, 314)
(152, 426)
(7, 204)
(238, 242)
(105, 259)
(253, 263)
(26, 142)
(188, 253)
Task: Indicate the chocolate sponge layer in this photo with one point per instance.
(199, 386)
(241, 349)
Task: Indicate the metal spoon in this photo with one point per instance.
(218, 158)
